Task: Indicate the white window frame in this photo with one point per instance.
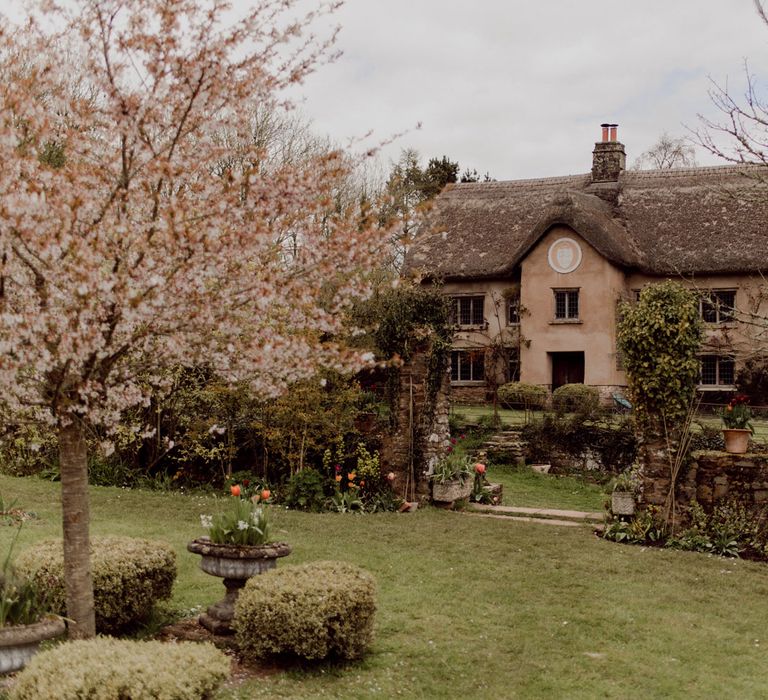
(567, 292)
(464, 353)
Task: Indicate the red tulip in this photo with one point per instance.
(480, 468)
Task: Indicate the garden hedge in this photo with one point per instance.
(575, 398)
(313, 611)
(522, 395)
(129, 576)
(116, 669)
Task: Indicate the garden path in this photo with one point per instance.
(545, 516)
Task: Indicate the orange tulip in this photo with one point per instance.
(265, 494)
(480, 468)
(235, 490)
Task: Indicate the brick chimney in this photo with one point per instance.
(609, 157)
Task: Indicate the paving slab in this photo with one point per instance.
(540, 513)
(540, 521)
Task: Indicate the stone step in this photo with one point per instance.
(575, 516)
(540, 521)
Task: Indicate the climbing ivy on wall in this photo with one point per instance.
(659, 337)
(402, 319)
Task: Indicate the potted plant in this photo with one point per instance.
(452, 478)
(737, 418)
(623, 495)
(25, 618)
(238, 546)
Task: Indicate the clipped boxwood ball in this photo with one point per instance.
(129, 576)
(576, 398)
(522, 395)
(314, 610)
(116, 669)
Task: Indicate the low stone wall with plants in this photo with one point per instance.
(716, 477)
(571, 444)
(720, 504)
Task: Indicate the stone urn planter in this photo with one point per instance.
(736, 440)
(451, 490)
(235, 564)
(19, 643)
(622, 503)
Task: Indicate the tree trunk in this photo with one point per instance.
(73, 459)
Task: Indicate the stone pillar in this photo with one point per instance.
(421, 432)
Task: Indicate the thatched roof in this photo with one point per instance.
(687, 221)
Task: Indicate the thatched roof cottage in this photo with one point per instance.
(535, 267)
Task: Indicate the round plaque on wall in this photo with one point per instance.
(564, 255)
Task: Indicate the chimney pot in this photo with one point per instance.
(609, 157)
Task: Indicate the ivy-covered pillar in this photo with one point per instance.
(419, 431)
(659, 337)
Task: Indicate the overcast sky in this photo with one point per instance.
(519, 88)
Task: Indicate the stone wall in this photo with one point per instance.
(424, 436)
(711, 479)
(715, 477)
(470, 395)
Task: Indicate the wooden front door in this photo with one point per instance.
(567, 368)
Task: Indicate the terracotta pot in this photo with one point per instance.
(736, 440)
(452, 490)
(622, 503)
(19, 643)
(235, 564)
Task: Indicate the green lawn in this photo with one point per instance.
(524, 487)
(510, 417)
(482, 608)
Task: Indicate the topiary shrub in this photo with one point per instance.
(521, 395)
(129, 576)
(575, 398)
(315, 610)
(110, 669)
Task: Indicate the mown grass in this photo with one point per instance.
(482, 608)
(524, 487)
(512, 417)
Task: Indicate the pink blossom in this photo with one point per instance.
(163, 233)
